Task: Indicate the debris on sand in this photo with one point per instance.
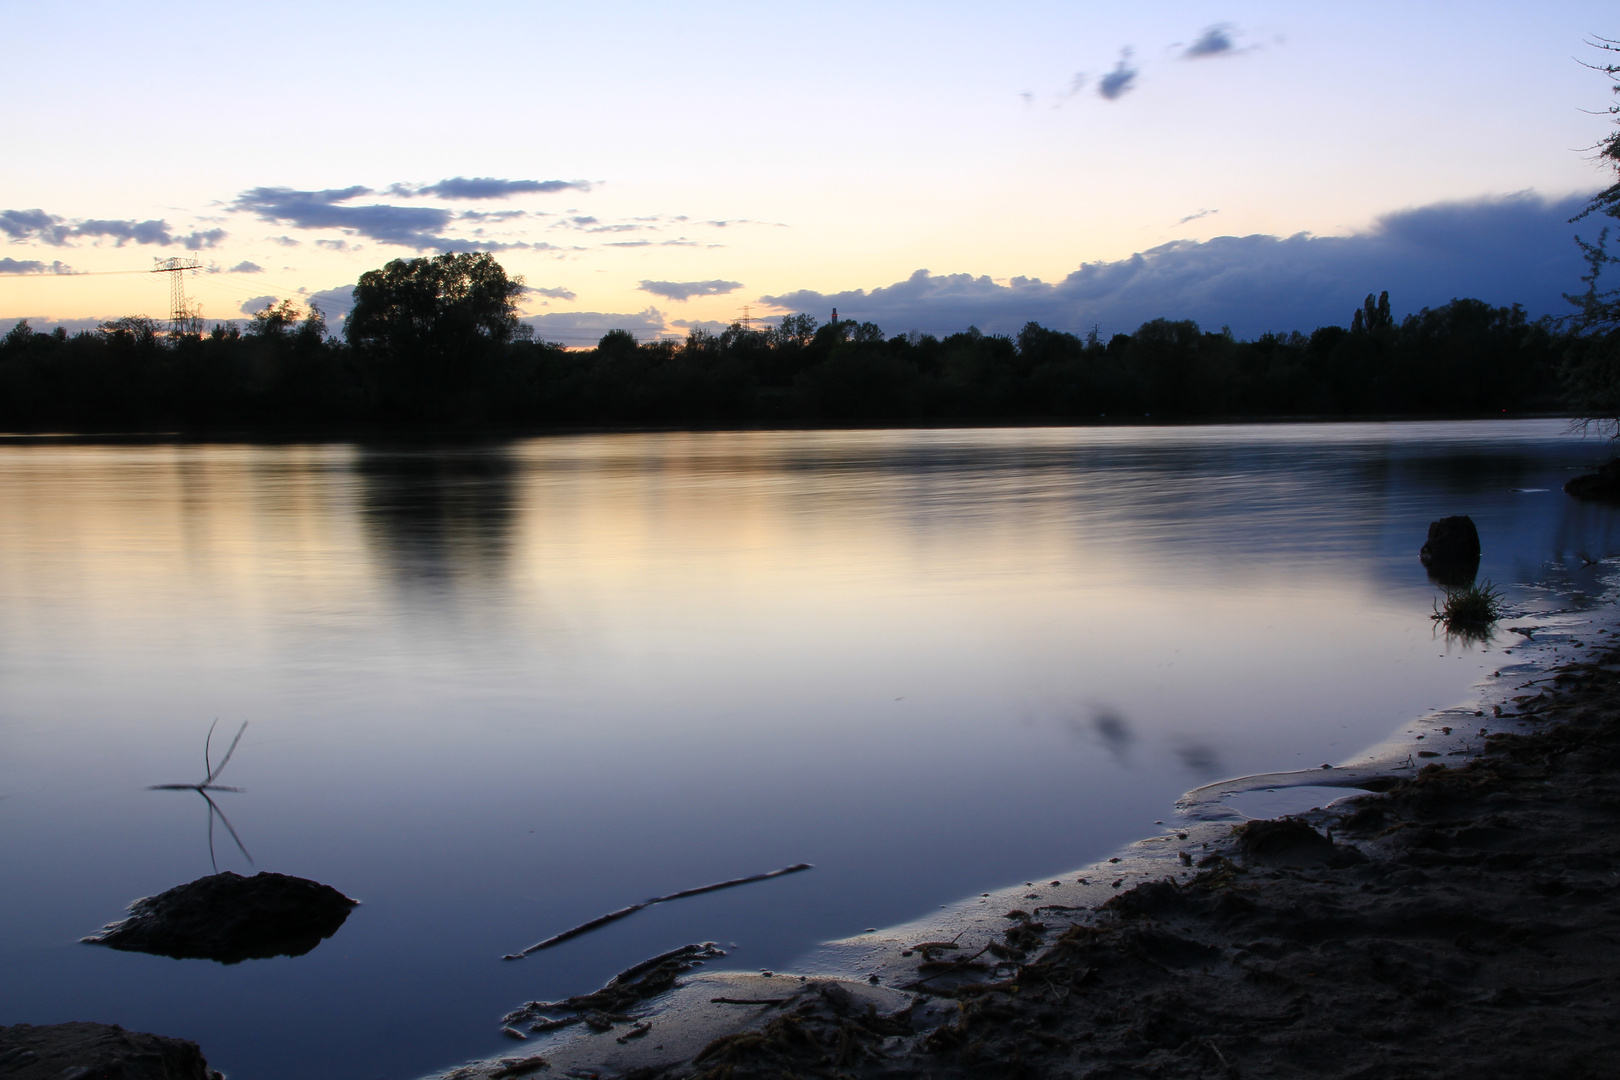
(604, 1008)
(231, 918)
(85, 1051)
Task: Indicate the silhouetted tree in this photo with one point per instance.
(431, 330)
(1592, 373)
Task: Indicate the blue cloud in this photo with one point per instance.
(417, 227)
(1514, 249)
(33, 266)
(245, 267)
(335, 304)
(1123, 78)
(30, 225)
(488, 187)
(583, 328)
(712, 326)
(558, 293)
(1214, 41)
(36, 224)
(685, 290)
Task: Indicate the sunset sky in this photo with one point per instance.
(658, 167)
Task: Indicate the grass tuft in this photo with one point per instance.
(1469, 608)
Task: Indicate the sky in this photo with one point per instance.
(924, 166)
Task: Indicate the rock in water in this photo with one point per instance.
(1601, 486)
(1451, 540)
(230, 918)
(1452, 551)
(84, 1051)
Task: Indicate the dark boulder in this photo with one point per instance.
(230, 918)
(1451, 540)
(1600, 486)
(85, 1051)
(1451, 553)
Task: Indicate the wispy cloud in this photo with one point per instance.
(1214, 41)
(405, 226)
(37, 225)
(33, 266)
(1119, 81)
(679, 241)
(488, 187)
(558, 293)
(1195, 217)
(491, 215)
(245, 267)
(418, 227)
(685, 290)
(726, 223)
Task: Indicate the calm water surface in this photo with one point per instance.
(497, 691)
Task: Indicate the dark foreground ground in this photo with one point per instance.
(1465, 923)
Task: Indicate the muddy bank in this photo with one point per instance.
(1464, 921)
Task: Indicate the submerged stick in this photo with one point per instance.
(615, 916)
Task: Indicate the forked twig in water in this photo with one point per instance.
(208, 785)
(615, 916)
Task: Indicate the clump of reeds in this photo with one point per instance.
(1469, 609)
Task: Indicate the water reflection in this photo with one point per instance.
(439, 514)
(1114, 731)
(498, 690)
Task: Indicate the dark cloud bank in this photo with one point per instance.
(1516, 249)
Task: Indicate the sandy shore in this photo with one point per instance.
(1463, 920)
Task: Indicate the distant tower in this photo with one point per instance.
(835, 315)
(183, 318)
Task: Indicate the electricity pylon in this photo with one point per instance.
(183, 317)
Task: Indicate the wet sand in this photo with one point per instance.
(1465, 921)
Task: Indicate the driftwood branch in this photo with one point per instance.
(625, 912)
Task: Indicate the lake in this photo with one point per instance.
(496, 690)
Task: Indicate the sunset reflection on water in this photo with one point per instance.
(495, 690)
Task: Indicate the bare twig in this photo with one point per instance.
(624, 912)
(212, 772)
(208, 785)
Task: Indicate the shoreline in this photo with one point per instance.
(428, 435)
(1126, 926)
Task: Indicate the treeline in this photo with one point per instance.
(1465, 358)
